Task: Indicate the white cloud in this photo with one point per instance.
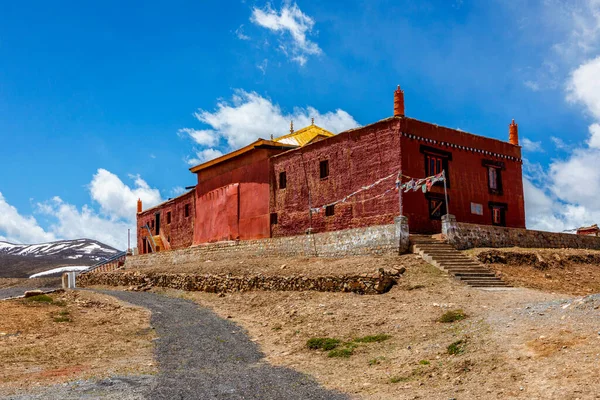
(584, 86)
(203, 137)
(71, 223)
(204, 155)
(117, 201)
(263, 66)
(293, 25)
(594, 140)
(249, 116)
(178, 191)
(531, 146)
(239, 32)
(16, 228)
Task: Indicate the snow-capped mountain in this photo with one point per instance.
(23, 260)
(80, 249)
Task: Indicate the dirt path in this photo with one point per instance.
(201, 355)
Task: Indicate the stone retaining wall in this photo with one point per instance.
(372, 284)
(466, 236)
(372, 240)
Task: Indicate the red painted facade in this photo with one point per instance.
(176, 224)
(267, 188)
(360, 157)
(232, 197)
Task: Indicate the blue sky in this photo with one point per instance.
(104, 103)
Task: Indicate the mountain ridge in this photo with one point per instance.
(24, 260)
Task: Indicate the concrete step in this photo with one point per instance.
(434, 246)
(444, 257)
(474, 275)
(460, 270)
(495, 284)
(456, 263)
(446, 254)
(482, 281)
(478, 278)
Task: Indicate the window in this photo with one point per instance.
(324, 169)
(436, 161)
(282, 180)
(186, 210)
(329, 211)
(434, 165)
(437, 205)
(152, 224)
(273, 218)
(494, 173)
(498, 211)
(169, 217)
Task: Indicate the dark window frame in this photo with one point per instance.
(498, 166)
(436, 197)
(330, 211)
(503, 208)
(282, 180)
(323, 169)
(445, 157)
(274, 219)
(168, 217)
(186, 210)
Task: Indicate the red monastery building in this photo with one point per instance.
(312, 180)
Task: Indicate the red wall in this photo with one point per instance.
(218, 219)
(356, 158)
(468, 180)
(360, 157)
(180, 230)
(244, 215)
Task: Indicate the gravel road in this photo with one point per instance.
(202, 356)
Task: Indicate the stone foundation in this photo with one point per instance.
(466, 236)
(371, 284)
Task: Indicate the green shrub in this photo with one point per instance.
(376, 361)
(40, 298)
(372, 338)
(322, 343)
(453, 316)
(424, 362)
(62, 318)
(456, 347)
(344, 353)
(396, 379)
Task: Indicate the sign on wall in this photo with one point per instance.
(477, 208)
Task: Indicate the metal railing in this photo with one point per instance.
(110, 262)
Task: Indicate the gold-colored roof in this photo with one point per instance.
(251, 146)
(304, 136)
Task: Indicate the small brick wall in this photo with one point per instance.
(467, 236)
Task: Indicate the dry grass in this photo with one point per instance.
(559, 276)
(75, 335)
(492, 351)
(309, 266)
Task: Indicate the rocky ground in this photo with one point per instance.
(520, 343)
(516, 343)
(569, 271)
(71, 336)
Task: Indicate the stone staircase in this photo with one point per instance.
(447, 258)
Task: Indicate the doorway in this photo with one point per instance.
(157, 223)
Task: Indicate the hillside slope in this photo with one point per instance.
(22, 260)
